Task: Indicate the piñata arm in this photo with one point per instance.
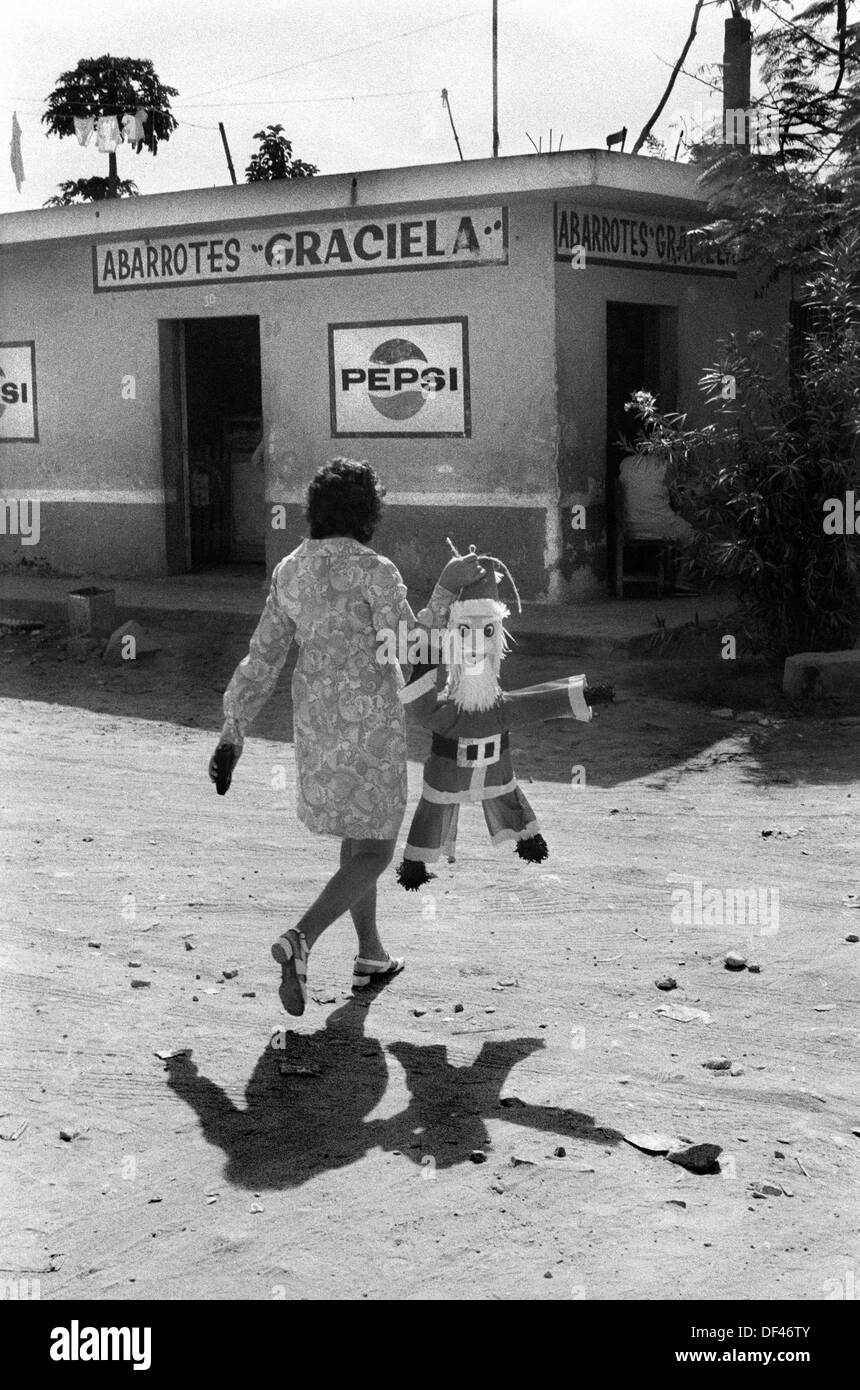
(551, 700)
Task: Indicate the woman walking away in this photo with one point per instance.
(337, 598)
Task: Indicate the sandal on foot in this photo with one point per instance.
(291, 952)
(363, 971)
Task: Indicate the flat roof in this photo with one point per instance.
(628, 182)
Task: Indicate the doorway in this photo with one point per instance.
(212, 431)
(641, 355)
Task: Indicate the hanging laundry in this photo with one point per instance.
(15, 152)
(132, 127)
(107, 134)
(84, 127)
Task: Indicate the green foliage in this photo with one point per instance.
(777, 203)
(274, 159)
(754, 480)
(90, 191)
(108, 86)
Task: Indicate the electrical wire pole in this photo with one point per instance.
(495, 79)
(227, 150)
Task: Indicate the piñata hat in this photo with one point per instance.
(482, 597)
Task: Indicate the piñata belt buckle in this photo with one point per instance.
(479, 752)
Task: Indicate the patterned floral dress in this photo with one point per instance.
(334, 597)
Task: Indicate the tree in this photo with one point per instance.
(274, 159)
(767, 483)
(780, 203)
(109, 86)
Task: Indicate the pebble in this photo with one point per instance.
(458, 1008)
(518, 1162)
(697, 1158)
(477, 1156)
(491, 1010)
(134, 964)
(140, 984)
(507, 983)
(666, 982)
(718, 1064)
(560, 1152)
(497, 1187)
(96, 945)
(754, 968)
(249, 994)
(735, 961)
(766, 1189)
(509, 1101)
(188, 946)
(852, 936)
(255, 1208)
(419, 1013)
(737, 1070)
(69, 1134)
(229, 974)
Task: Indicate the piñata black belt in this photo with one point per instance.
(471, 752)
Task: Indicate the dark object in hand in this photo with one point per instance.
(599, 694)
(225, 760)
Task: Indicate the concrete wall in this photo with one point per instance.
(708, 308)
(98, 464)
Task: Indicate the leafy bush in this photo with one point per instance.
(754, 481)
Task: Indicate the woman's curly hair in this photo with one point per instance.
(344, 499)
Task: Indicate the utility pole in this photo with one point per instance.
(495, 79)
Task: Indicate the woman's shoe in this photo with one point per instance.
(291, 952)
(363, 971)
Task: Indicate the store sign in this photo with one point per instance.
(405, 379)
(18, 422)
(586, 237)
(429, 241)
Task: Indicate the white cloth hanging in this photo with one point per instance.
(84, 127)
(132, 126)
(108, 134)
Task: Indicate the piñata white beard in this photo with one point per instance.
(473, 680)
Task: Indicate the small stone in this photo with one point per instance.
(735, 961)
(458, 1008)
(718, 1064)
(518, 1162)
(506, 984)
(491, 1010)
(96, 945)
(497, 1187)
(852, 936)
(509, 1101)
(766, 1189)
(737, 1070)
(722, 713)
(167, 1054)
(666, 982)
(189, 946)
(327, 997)
(140, 984)
(195, 999)
(210, 1201)
(419, 1013)
(477, 1156)
(155, 1199)
(135, 964)
(68, 1135)
(697, 1158)
(754, 968)
(249, 994)
(653, 1143)
(560, 1152)
(229, 974)
(548, 1274)
(675, 1202)
(255, 1208)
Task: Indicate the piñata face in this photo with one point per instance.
(475, 653)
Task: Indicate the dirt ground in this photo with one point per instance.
(383, 1162)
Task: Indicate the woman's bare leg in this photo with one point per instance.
(363, 914)
(353, 882)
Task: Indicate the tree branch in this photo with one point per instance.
(646, 129)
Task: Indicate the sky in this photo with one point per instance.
(356, 83)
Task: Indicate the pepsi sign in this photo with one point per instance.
(400, 378)
(18, 393)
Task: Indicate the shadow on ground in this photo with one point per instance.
(296, 1126)
(661, 719)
